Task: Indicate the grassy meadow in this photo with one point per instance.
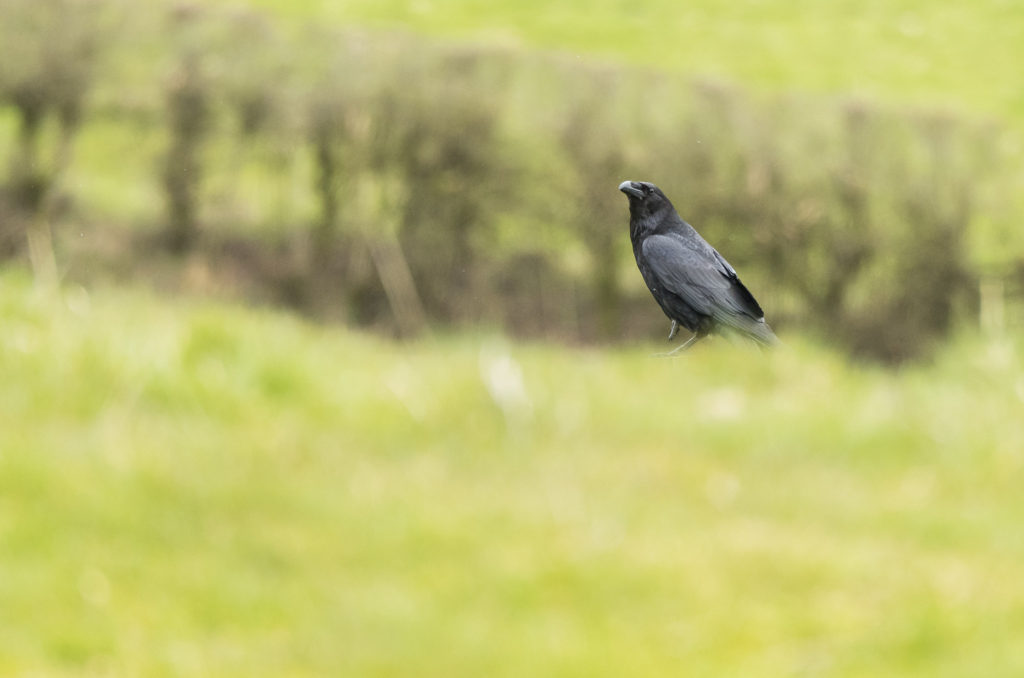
(195, 489)
(961, 56)
(190, 487)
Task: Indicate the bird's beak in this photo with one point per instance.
(631, 189)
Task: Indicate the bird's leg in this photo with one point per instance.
(685, 345)
(672, 332)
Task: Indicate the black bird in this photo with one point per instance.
(694, 284)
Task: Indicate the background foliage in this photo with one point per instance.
(398, 182)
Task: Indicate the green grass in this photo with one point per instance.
(961, 56)
(194, 489)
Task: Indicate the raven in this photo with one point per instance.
(694, 284)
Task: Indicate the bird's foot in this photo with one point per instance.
(682, 347)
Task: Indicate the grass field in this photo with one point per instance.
(961, 56)
(193, 489)
(196, 489)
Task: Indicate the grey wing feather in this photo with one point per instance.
(701, 278)
(698, 274)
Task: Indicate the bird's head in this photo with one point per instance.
(645, 199)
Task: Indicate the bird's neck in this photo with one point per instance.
(643, 225)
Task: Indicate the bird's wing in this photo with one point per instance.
(700, 277)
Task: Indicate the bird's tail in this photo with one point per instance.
(765, 336)
(757, 330)
(762, 333)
